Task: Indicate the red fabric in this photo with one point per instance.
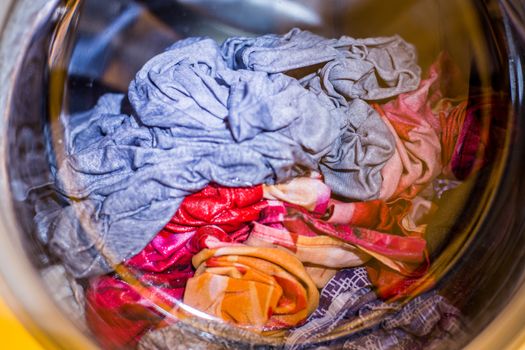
(228, 208)
(469, 152)
(405, 249)
(117, 313)
(214, 211)
(451, 126)
(393, 285)
(167, 249)
(377, 215)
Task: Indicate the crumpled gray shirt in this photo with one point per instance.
(226, 114)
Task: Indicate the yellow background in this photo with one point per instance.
(12, 334)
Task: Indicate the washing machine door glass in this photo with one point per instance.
(239, 173)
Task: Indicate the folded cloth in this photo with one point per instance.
(197, 120)
(348, 301)
(309, 193)
(119, 314)
(263, 289)
(415, 126)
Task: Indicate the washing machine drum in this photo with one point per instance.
(264, 174)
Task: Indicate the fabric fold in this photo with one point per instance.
(263, 289)
(309, 193)
(348, 300)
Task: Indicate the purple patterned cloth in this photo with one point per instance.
(348, 299)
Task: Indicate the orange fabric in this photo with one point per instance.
(415, 128)
(262, 289)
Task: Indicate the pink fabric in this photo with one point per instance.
(167, 249)
(469, 149)
(405, 249)
(320, 250)
(118, 313)
(415, 127)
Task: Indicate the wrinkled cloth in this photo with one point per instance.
(210, 218)
(402, 262)
(203, 333)
(162, 270)
(402, 217)
(351, 69)
(397, 216)
(464, 150)
(263, 289)
(356, 68)
(348, 299)
(451, 122)
(168, 251)
(173, 339)
(317, 250)
(309, 193)
(230, 209)
(415, 126)
(197, 120)
(119, 314)
(392, 250)
(321, 255)
(392, 284)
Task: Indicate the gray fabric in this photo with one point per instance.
(197, 120)
(199, 333)
(67, 293)
(339, 72)
(348, 301)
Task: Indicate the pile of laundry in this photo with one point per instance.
(282, 184)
